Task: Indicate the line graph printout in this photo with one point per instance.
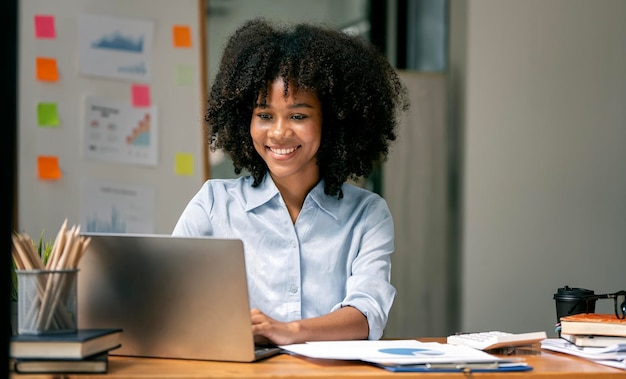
(107, 207)
(114, 131)
(116, 48)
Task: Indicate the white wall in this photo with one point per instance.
(544, 123)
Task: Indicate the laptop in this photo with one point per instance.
(173, 297)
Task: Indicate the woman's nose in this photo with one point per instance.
(280, 128)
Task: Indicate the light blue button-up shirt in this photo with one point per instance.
(337, 253)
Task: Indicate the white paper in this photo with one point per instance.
(116, 48)
(614, 352)
(114, 131)
(392, 352)
(107, 207)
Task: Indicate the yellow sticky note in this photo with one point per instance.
(47, 69)
(48, 167)
(184, 164)
(47, 114)
(181, 36)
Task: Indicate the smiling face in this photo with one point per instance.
(286, 132)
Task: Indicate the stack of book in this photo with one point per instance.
(595, 336)
(593, 329)
(85, 351)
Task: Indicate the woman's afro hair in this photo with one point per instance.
(359, 91)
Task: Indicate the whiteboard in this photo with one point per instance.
(138, 184)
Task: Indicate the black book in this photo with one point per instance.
(81, 344)
(94, 364)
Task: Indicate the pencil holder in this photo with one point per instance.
(47, 301)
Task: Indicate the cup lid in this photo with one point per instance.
(568, 291)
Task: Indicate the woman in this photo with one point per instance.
(303, 109)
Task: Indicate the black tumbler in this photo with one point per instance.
(570, 301)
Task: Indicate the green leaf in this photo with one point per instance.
(44, 248)
(13, 281)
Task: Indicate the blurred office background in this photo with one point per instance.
(508, 180)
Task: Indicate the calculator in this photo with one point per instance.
(495, 339)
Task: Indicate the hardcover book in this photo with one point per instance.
(81, 344)
(95, 364)
(593, 323)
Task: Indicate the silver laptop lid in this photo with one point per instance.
(173, 297)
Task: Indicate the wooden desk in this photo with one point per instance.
(546, 365)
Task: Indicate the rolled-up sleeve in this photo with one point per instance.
(369, 287)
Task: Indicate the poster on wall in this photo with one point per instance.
(107, 207)
(116, 48)
(115, 131)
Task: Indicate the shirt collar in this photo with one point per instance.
(267, 190)
(329, 204)
(264, 192)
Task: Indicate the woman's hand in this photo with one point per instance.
(346, 323)
(266, 330)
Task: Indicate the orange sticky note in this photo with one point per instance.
(141, 95)
(48, 167)
(184, 164)
(47, 69)
(44, 26)
(181, 36)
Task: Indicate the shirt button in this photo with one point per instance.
(293, 288)
(293, 244)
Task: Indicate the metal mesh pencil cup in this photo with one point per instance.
(47, 301)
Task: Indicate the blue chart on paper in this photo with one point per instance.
(410, 351)
(99, 223)
(117, 41)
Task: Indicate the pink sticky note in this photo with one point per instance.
(141, 95)
(44, 26)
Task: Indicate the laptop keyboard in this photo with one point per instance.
(261, 351)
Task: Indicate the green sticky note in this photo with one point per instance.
(47, 114)
(184, 75)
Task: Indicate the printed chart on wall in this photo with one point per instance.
(115, 131)
(116, 208)
(114, 47)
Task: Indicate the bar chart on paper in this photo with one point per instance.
(107, 207)
(117, 132)
(140, 136)
(116, 223)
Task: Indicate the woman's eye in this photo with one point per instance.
(298, 116)
(264, 116)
